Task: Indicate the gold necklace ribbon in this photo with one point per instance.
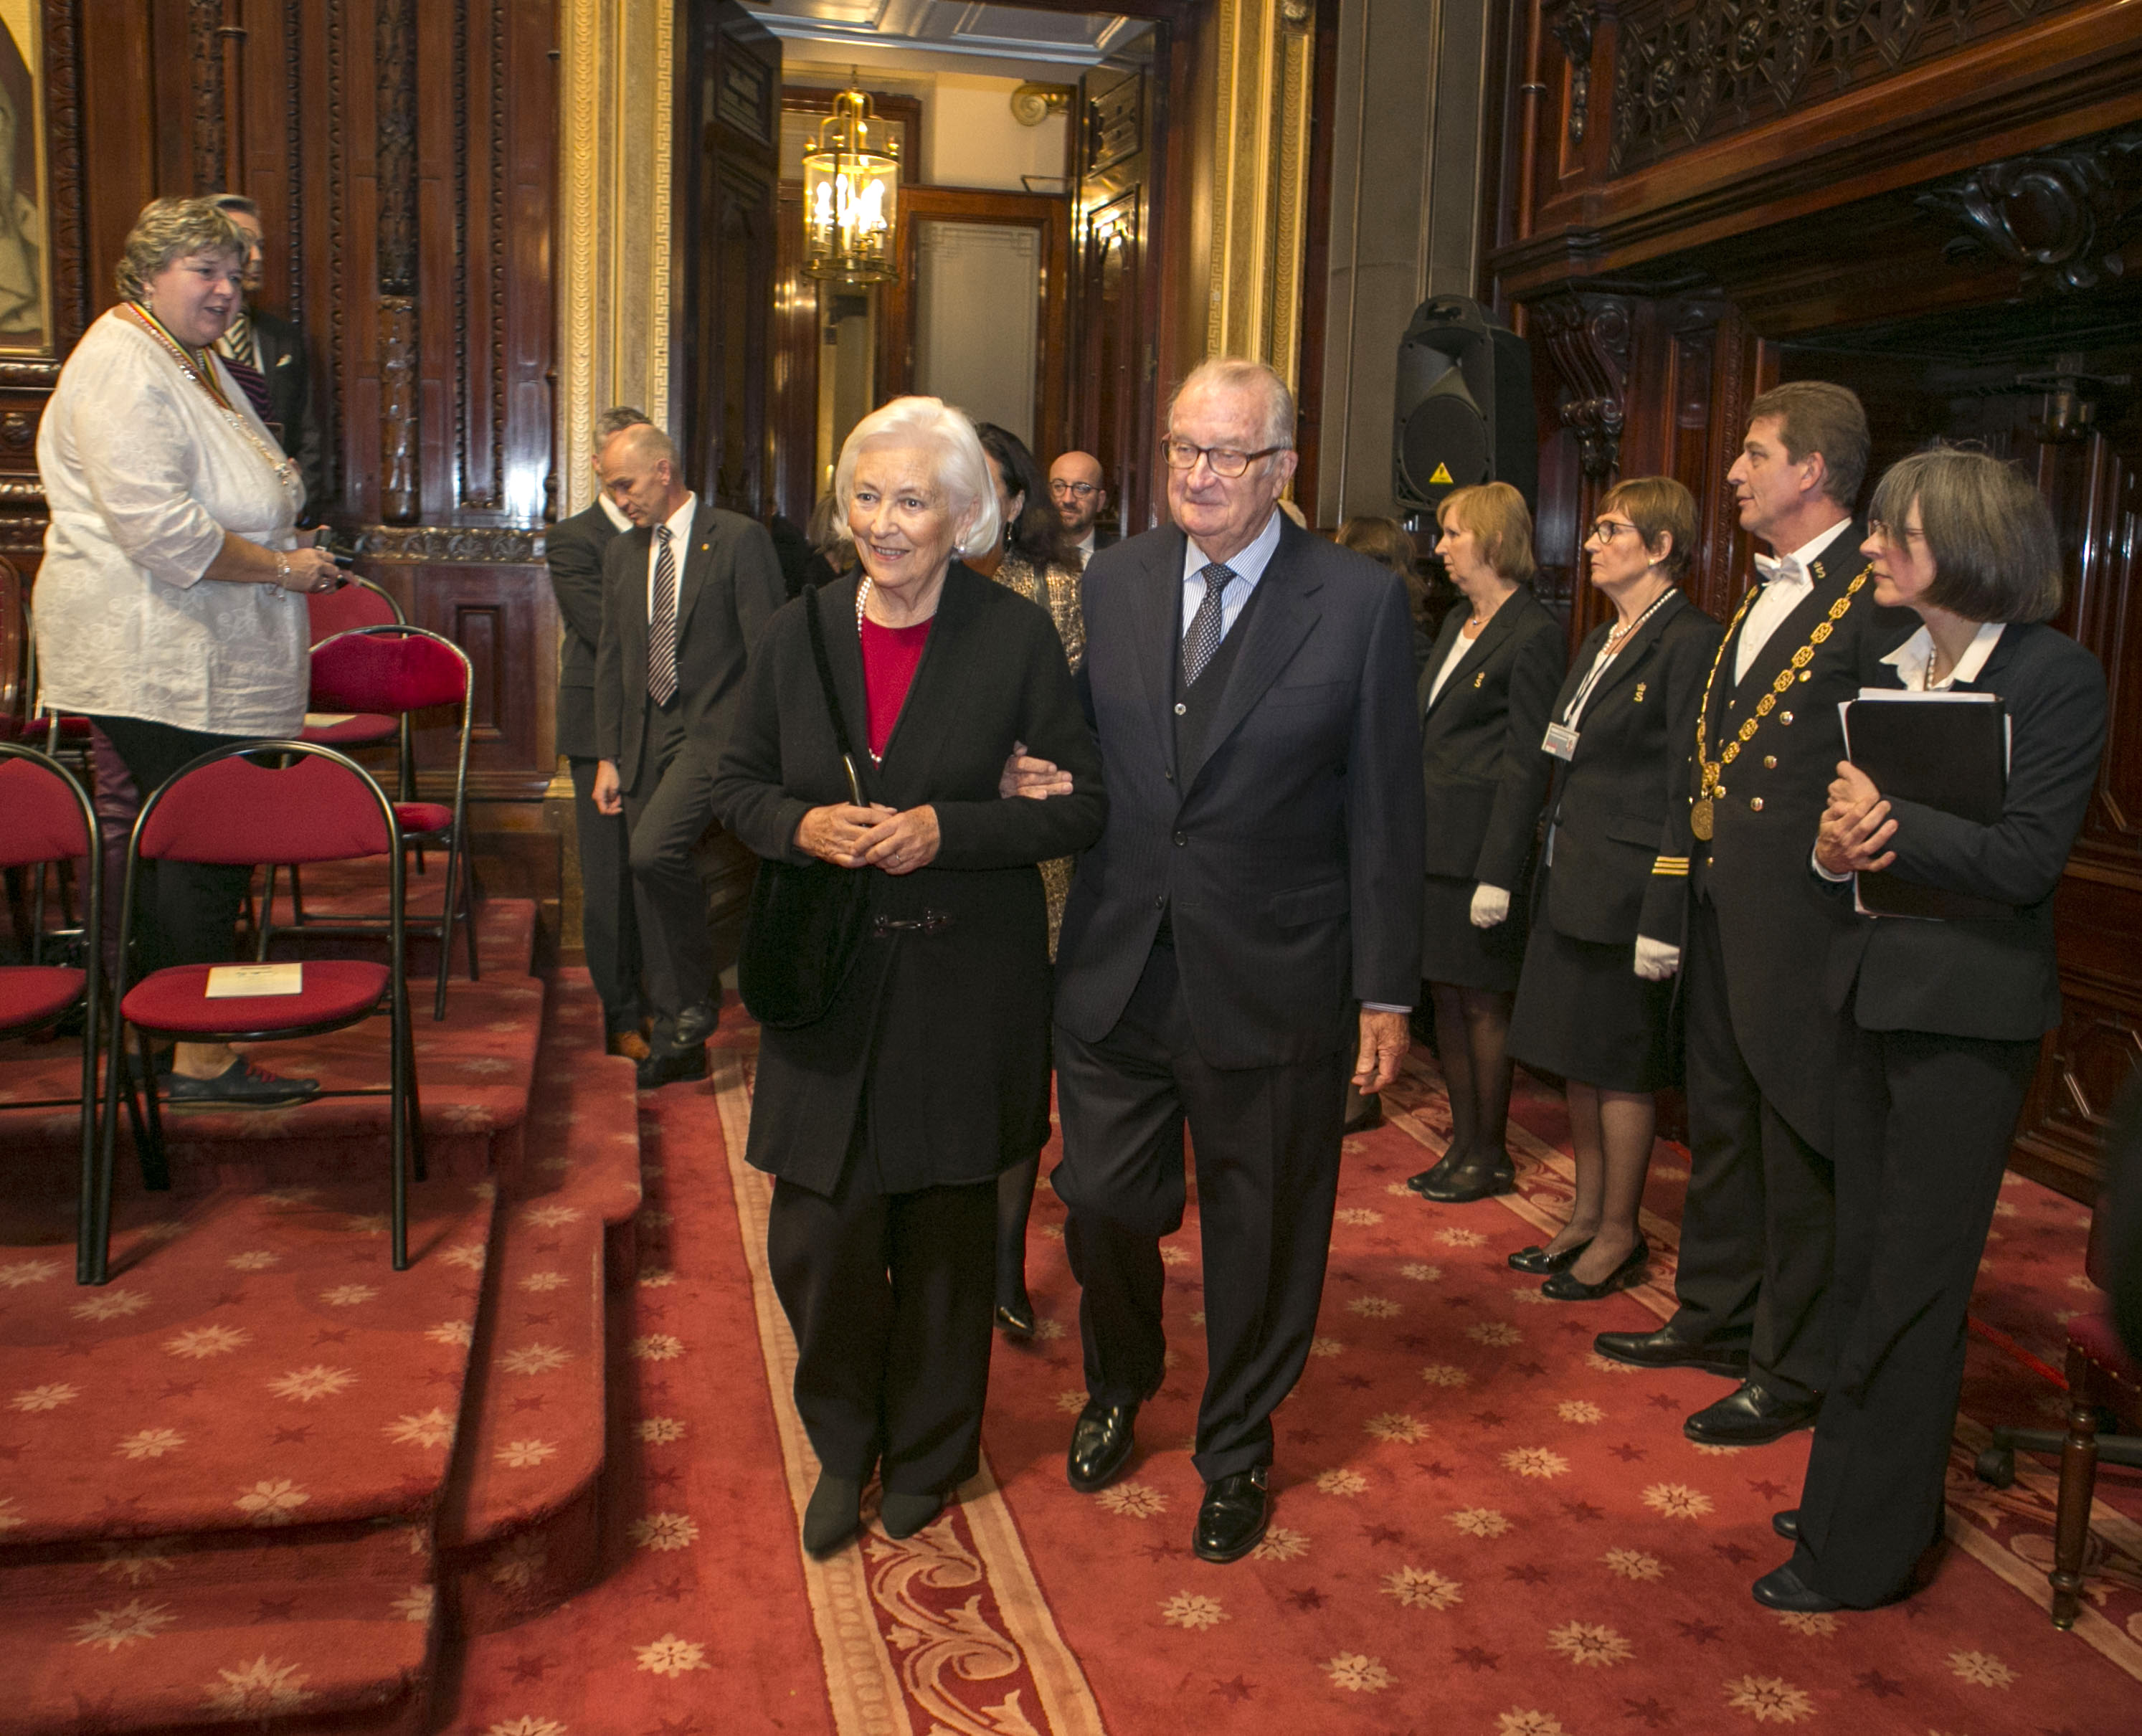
(197, 368)
(1702, 818)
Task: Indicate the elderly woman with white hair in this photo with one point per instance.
(886, 1121)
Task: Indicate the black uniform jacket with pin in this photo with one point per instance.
(1775, 922)
(728, 585)
(1612, 797)
(292, 414)
(574, 548)
(1987, 977)
(1481, 766)
(947, 1022)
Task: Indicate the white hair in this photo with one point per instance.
(960, 470)
(1237, 373)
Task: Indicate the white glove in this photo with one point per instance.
(1656, 960)
(1491, 904)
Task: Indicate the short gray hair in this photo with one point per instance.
(1237, 373)
(962, 471)
(616, 420)
(650, 443)
(1997, 555)
(169, 229)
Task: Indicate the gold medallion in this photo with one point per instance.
(1700, 819)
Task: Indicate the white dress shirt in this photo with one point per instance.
(680, 537)
(144, 475)
(1248, 567)
(1781, 595)
(1085, 548)
(1459, 647)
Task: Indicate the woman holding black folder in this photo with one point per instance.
(1947, 1011)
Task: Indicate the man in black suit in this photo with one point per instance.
(685, 593)
(267, 357)
(1075, 486)
(1251, 685)
(609, 930)
(1758, 1232)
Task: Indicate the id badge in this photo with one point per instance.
(1560, 742)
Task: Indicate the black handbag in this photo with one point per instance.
(805, 925)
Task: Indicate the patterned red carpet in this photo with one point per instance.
(1481, 1528)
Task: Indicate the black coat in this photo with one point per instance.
(949, 1030)
(1288, 854)
(1610, 799)
(292, 414)
(727, 590)
(1988, 977)
(574, 547)
(1481, 764)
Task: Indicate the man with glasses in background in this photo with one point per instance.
(1242, 939)
(1075, 484)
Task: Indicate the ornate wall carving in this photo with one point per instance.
(1572, 24)
(1588, 337)
(204, 29)
(2062, 216)
(397, 173)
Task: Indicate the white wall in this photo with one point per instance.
(969, 136)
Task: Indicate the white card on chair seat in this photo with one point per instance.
(228, 982)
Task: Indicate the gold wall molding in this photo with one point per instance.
(617, 80)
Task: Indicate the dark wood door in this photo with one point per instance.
(1115, 337)
(726, 201)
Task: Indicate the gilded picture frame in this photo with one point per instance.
(26, 274)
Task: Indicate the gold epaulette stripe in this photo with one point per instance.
(1676, 866)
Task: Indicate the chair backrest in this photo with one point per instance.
(356, 603)
(388, 669)
(226, 808)
(46, 816)
(15, 654)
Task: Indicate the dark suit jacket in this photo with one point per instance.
(1480, 757)
(950, 1029)
(573, 548)
(288, 373)
(1773, 919)
(1610, 798)
(1289, 854)
(728, 589)
(1988, 977)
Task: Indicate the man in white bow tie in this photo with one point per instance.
(1762, 1039)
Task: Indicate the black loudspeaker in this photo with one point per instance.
(1464, 410)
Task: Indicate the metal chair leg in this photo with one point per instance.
(155, 1171)
(2078, 1479)
(264, 923)
(417, 1164)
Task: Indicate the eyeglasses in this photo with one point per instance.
(1605, 530)
(1902, 537)
(1084, 490)
(1225, 461)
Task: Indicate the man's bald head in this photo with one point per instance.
(641, 471)
(1075, 484)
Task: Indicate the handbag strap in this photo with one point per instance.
(832, 699)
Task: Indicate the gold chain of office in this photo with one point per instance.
(1702, 819)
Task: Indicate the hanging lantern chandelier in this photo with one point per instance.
(851, 194)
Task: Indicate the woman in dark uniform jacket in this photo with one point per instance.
(1484, 694)
(1946, 1014)
(1618, 743)
(887, 1123)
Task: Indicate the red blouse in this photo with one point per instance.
(890, 657)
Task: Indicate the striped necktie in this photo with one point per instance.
(237, 343)
(1203, 639)
(662, 629)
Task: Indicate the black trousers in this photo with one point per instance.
(666, 810)
(610, 925)
(185, 912)
(1917, 1178)
(1757, 1233)
(890, 1297)
(1265, 1142)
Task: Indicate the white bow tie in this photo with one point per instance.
(1773, 566)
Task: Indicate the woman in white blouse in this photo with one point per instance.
(168, 607)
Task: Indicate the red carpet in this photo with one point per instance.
(1480, 1528)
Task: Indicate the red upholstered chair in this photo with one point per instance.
(396, 670)
(356, 603)
(46, 816)
(226, 807)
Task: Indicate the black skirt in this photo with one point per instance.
(1582, 1012)
(1452, 950)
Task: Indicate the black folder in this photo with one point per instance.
(1944, 750)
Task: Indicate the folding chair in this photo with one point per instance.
(396, 671)
(356, 602)
(46, 816)
(228, 807)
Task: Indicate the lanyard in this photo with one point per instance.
(1603, 662)
(201, 370)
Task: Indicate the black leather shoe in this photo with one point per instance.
(1540, 1264)
(1568, 1287)
(1751, 1416)
(1015, 1318)
(667, 1067)
(1787, 1524)
(1101, 1444)
(1665, 1349)
(1232, 1516)
(239, 1086)
(833, 1515)
(902, 1515)
(1783, 1588)
(695, 1024)
(1475, 1178)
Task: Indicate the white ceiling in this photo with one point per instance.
(949, 26)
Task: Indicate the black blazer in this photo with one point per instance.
(1484, 774)
(292, 414)
(1774, 920)
(1610, 799)
(1288, 854)
(728, 589)
(1988, 977)
(573, 548)
(950, 1028)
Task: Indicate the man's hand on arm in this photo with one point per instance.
(1034, 779)
(1384, 1039)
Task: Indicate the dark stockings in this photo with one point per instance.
(1611, 1132)
(1015, 1200)
(1473, 1038)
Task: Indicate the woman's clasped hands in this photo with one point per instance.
(872, 836)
